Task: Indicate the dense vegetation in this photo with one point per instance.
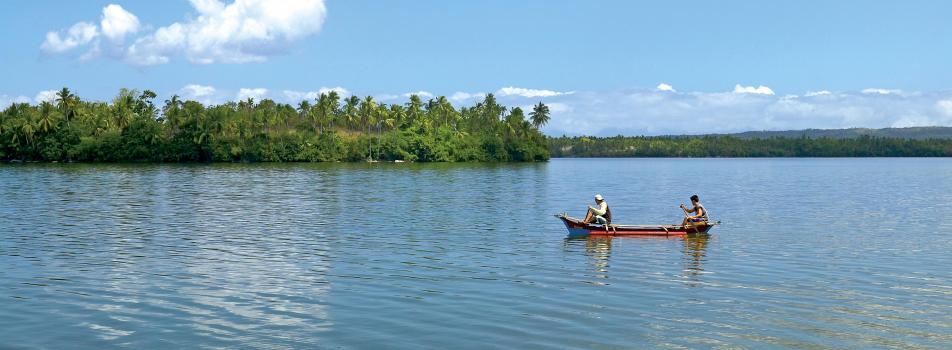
(731, 146)
(330, 128)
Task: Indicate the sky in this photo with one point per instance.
(603, 67)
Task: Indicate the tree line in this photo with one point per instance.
(132, 127)
(730, 146)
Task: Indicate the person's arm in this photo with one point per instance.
(692, 210)
(602, 208)
(686, 210)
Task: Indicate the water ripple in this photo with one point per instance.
(814, 253)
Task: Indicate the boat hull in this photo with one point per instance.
(577, 228)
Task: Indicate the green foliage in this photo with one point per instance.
(730, 146)
(131, 128)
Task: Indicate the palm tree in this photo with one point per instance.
(122, 109)
(326, 107)
(368, 111)
(443, 107)
(398, 114)
(389, 122)
(414, 109)
(382, 118)
(27, 130)
(270, 110)
(67, 103)
(304, 111)
(144, 106)
(539, 115)
(318, 114)
(514, 121)
(491, 113)
(48, 118)
(332, 107)
(350, 110)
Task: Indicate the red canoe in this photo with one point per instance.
(578, 228)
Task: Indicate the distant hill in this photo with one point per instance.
(890, 142)
(914, 133)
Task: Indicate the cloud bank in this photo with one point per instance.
(530, 93)
(239, 32)
(658, 112)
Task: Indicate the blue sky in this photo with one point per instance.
(605, 66)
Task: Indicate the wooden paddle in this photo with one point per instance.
(689, 222)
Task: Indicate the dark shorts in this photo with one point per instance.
(698, 220)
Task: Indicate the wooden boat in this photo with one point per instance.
(577, 228)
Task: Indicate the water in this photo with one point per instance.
(813, 253)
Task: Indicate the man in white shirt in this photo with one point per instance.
(600, 213)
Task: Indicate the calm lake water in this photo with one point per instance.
(812, 254)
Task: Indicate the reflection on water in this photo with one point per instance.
(695, 249)
(598, 251)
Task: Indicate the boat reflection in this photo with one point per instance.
(695, 253)
(598, 249)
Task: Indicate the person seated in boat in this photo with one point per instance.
(700, 214)
(600, 213)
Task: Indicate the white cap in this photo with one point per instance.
(598, 197)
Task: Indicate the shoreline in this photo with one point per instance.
(22, 162)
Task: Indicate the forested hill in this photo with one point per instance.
(893, 142)
(914, 133)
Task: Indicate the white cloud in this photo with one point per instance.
(198, 90)
(423, 94)
(79, 34)
(665, 87)
(117, 22)
(557, 107)
(531, 93)
(340, 91)
(6, 101)
(944, 107)
(817, 93)
(297, 96)
(386, 97)
(460, 97)
(45, 95)
(241, 31)
(881, 91)
(257, 94)
(202, 93)
(760, 90)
